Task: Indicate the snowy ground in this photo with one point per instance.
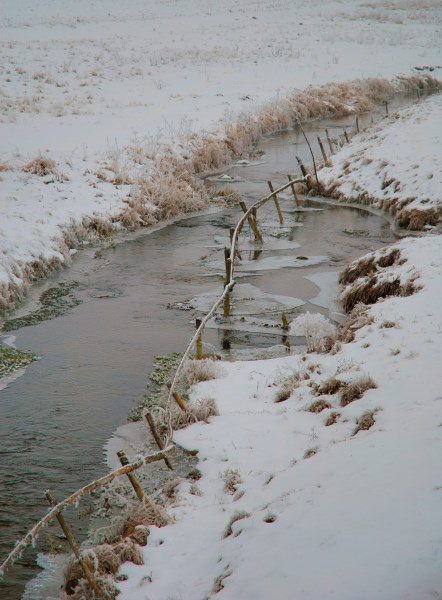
(327, 512)
(395, 165)
(82, 81)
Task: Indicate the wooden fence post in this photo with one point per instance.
(330, 145)
(156, 437)
(275, 198)
(285, 323)
(346, 136)
(324, 155)
(357, 123)
(75, 547)
(228, 262)
(252, 222)
(304, 173)
(386, 108)
(232, 232)
(131, 476)
(199, 343)
(293, 190)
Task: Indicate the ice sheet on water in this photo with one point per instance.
(328, 290)
(46, 585)
(247, 299)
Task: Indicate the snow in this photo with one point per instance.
(355, 520)
(396, 163)
(82, 81)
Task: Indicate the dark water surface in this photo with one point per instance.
(95, 360)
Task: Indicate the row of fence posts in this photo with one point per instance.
(253, 223)
(252, 220)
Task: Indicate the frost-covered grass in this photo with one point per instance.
(330, 489)
(395, 165)
(107, 109)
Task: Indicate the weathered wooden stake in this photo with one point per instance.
(199, 342)
(285, 323)
(131, 476)
(304, 173)
(232, 231)
(156, 437)
(346, 136)
(330, 145)
(275, 198)
(252, 222)
(75, 547)
(386, 108)
(293, 190)
(178, 400)
(324, 155)
(228, 262)
(287, 345)
(357, 123)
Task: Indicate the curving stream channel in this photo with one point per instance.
(96, 358)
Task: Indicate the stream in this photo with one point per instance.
(96, 358)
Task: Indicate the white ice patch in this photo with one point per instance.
(329, 290)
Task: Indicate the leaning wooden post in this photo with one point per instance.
(252, 222)
(346, 136)
(324, 155)
(357, 123)
(232, 233)
(293, 190)
(305, 173)
(330, 145)
(228, 262)
(75, 548)
(275, 198)
(131, 476)
(386, 108)
(156, 437)
(199, 343)
(285, 323)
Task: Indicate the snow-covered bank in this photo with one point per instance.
(320, 476)
(119, 95)
(395, 165)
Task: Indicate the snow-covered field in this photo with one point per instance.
(322, 510)
(395, 165)
(99, 87)
(120, 95)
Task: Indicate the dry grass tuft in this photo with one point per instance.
(318, 406)
(171, 488)
(365, 421)
(232, 479)
(200, 370)
(311, 452)
(289, 385)
(41, 165)
(371, 290)
(332, 418)
(200, 411)
(329, 386)
(355, 389)
(357, 319)
(365, 266)
(237, 516)
(418, 218)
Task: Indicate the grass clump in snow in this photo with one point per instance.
(318, 406)
(311, 452)
(332, 418)
(354, 390)
(200, 370)
(232, 479)
(269, 517)
(218, 582)
(226, 193)
(41, 165)
(237, 516)
(328, 387)
(318, 331)
(199, 411)
(287, 386)
(365, 421)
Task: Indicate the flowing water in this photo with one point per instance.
(95, 359)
